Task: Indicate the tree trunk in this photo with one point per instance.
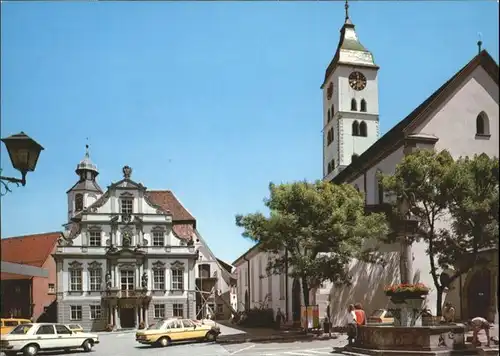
(439, 301)
(406, 270)
(305, 292)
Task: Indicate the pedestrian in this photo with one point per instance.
(360, 319)
(279, 318)
(477, 325)
(448, 313)
(351, 324)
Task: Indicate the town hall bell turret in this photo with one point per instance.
(86, 190)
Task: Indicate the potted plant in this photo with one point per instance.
(110, 327)
(406, 291)
(142, 325)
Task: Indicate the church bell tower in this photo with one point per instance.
(350, 102)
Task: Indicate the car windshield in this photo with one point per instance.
(377, 313)
(21, 329)
(10, 323)
(74, 326)
(157, 326)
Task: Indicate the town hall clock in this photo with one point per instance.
(357, 81)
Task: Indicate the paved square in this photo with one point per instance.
(124, 344)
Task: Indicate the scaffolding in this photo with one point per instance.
(210, 298)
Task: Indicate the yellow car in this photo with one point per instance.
(165, 332)
(8, 324)
(381, 316)
(76, 328)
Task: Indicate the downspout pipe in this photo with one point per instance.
(249, 286)
(286, 284)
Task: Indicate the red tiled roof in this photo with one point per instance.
(184, 222)
(168, 201)
(30, 250)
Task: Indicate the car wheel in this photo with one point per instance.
(211, 336)
(87, 345)
(30, 350)
(164, 341)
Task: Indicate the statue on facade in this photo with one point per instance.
(127, 240)
(108, 280)
(144, 281)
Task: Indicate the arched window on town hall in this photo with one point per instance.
(79, 202)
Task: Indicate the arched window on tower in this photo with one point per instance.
(355, 128)
(79, 202)
(482, 124)
(328, 116)
(329, 168)
(363, 129)
(332, 110)
(354, 105)
(363, 105)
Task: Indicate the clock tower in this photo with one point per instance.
(350, 102)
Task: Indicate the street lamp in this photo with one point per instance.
(23, 153)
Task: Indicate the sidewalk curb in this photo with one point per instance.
(115, 332)
(241, 340)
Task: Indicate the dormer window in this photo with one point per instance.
(79, 202)
(127, 206)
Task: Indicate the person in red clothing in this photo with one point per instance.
(360, 319)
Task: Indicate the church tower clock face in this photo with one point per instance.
(357, 81)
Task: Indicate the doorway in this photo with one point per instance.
(479, 294)
(127, 317)
(296, 300)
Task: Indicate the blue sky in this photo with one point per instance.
(212, 100)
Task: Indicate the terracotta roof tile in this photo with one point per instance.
(184, 231)
(168, 201)
(30, 249)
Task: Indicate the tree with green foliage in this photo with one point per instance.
(315, 229)
(473, 192)
(433, 186)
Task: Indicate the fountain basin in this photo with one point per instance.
(415, 340)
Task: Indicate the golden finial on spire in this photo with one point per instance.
(346, 6)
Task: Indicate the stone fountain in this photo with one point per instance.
(407, 336)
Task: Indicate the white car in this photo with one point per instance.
(34, 337)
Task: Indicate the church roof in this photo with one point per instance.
(394, 137)
(33, 250)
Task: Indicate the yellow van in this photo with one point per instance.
(8, 324)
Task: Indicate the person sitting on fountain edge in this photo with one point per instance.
(477, 324)
(351, 324)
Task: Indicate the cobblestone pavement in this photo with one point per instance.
(124, 344)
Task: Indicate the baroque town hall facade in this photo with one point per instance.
(125, 258)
